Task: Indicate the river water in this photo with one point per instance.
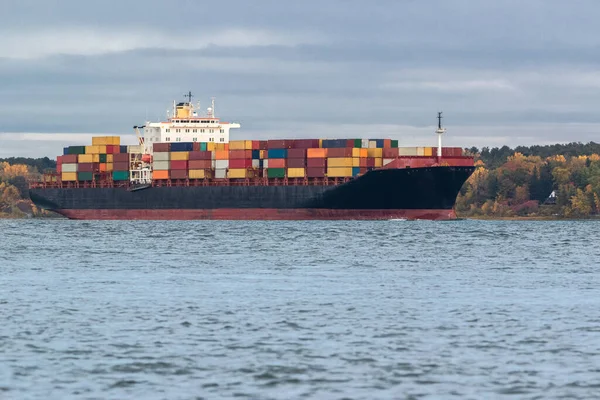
(286, 310)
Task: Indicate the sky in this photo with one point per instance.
(504, 72)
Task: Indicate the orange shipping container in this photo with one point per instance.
(277, 162)
(221, 155)
(160, 174)
(387, 143)
(102, 167)
(316, 153)
(364, 153)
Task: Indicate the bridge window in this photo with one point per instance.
(222, 139)
(168, 139)
(195, 139)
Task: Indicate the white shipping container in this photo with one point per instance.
(265, 164)
(220, 173)
(255, 163)
(372, 144)
(221, 164)
(69, 168)
(364, 143)
(137, 149)
(407, 151)
(420, 151)
(161, 156)
(161, 165)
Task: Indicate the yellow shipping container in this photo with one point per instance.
(239, 173)
(102, 149)
(248, 145)
(356, 161)
(237, 145)
(356, 152)
(96, 157)
(220, 146)
(320, 143)
(109, 167)
(340, 162)
(180, 155)
(109, 158)
(69, 176)
(85, 158)
(371, 152)
(197, 174)
(115, 140)
(296, 172)
(263, 153)
(428, 151)
(210, 146)
(337, 172)
(92, 150)
(99, 140)
(379, 162)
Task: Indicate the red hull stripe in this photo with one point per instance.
(258, 214)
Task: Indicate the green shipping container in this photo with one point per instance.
(357, 143)
(102, 158)
(85, 176)
(120, 175)
(394, 144)
(203, 146)
(276, 172)
(76, 150)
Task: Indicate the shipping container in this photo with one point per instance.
(200, 164)
(109, 167)
(85, 158)
(276, 172)
(279, 144)
(92, 150)
(339, 162)
(237, 173)
(355, 171)
(339, 172)
(96, 158)
(221, 155)
(160, 174)
(407, 151)
(86, 167)
(139, 149)
(256, 154)
(69, 159)
(334, 143)
(182, 146)
(123, 149)
(390, 153)
(203, 146)
(372, 144)
(263, 144)
(240, 162)
(103, 157)
(353, 143)
(428, 152)
(221, 164)
(121, 166)
(277, 163)
(256, 164)
(276, 153)
(112, 149)
(198, 173)
(200, 155)
(102, 167)
(305, 143)
(180, 156)
(362, 162)
(370, 162)
(296, 172)
(104, 140)
(355, 161)
(394, 143)
(387, 143)
(85, 176)
(339, 152)
(160, 147)
(316, 153)
(220, 173)
(364, 143)
(178, 173)
(156, 157)
(178, 164)
(68, 176)
(121, 175)
(196, 146)
(296, 162)
(375, 152)
(237, 145)
(420, 151)
(210, 146)
(124, 157)
(378, 162)
(296, 153)
(240, 154)
(315, 172)
(247, 145)
(316, 162)
(387, 161)
(76, 150)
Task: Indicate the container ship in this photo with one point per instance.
(186, 168)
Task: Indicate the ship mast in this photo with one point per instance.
(440, 131)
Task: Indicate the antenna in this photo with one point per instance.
(189, 96)
(212, 99)
(440, 131)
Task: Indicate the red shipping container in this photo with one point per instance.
(121, 157)
(178, 173)
(58, 168)
(363, 170)
(179, 164)
(277, 162)
(112, 149)
(241, 163)
(121, 166)
(255, 145)
(339, 152)
(315, 172)
(363, 162)
(196, 146)
(69, 159)
(161, 147)
(279, 144)
(390, 152)
(85, 167)
(370, 162)
(200, 155)
(296, 163)
(263, 145)
(387, 143)
(296, 153)
(200, 164)
(305, 144)
(316, 162)
(240, 154)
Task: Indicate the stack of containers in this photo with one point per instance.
(316, 162)
(240, 159)
(84, 163)
(179, 157)
(161, 160)
(296, 163)
(200, 162)
(275, 163)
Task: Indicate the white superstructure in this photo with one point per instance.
(184, 124)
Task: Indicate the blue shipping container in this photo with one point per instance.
(379, 142)
(277, 153)
(65, 151)
(182, 146)
(256, 154)
(355, 171)
(122, 149)
(334, 143)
